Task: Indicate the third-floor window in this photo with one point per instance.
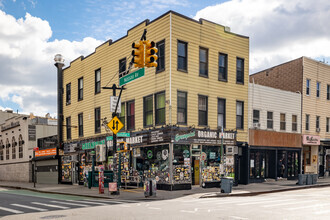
(161, 56)
(318, 85)
(328, 92)
(203, 62)
(97, 81)
(240, 70)
(222, 67)
(68, 93)
(182, 56)
(308, 82)
(80, 88)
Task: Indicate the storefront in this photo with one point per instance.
(46, 163)
(310, 162)
(324, 157)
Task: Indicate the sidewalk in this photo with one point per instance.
(196, 192)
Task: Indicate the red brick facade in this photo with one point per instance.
(287, 76)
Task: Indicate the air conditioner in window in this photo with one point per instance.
(318, 129)
(256, 125)
(231, 150)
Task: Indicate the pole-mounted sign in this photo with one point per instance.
(115, 125)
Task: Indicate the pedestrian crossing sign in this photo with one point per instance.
(115, 125)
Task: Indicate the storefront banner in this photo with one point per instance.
(47, 152)
(311, 140)
(92, 145)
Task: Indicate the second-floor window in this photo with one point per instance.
(68, 93)
(202, 110)
(318, 85)
(203, 62)
(160, 108)
(182, 108)
(222, 113)
(130, 115)
(80, 125)
(222, 67)
(148, 111)
(256, 116)
(80, 88)
(182, 56)
(161, 56)
(240, 70)
(317, 125)
(307, 123)
(122, 115)
(294, 123)
(239, 114)
(328, 92)
(270, 120)
(68, 128)
(308, 82)
(282, 122)
(97, 81)
(327, 128)
(97, 119)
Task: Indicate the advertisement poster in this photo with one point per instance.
(101, 179)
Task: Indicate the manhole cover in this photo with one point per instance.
(53, 216)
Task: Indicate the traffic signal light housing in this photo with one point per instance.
(151, 54)
(124, 147)
(138, 54)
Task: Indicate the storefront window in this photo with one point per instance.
(181, 164)
(211, 166)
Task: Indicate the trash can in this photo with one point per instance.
(150, 187)
(226, 184)
(302, 179)
(314, 178)
(309, 180)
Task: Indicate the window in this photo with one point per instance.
(182, 108)
(318, 85)
(1, 150)
(20, 146)
(68, 128)
(282, 122)
(131, 115)
(256, 116)
(97, 81)
(122, 67)
(7, 149)
(294, 123)
(239, 114)
(122, 115)
(203, 62)
(202, 110)
(270, 120)
(223, 63)
(80, 125)
(327, 128)
(222, 113)
(13, 148)
(148, 111)
(307, 123)
(97, 119)
(182, 56)
(317, 125)
(80, 89)
(68, 93)
(240, 70)
(161, 56)
(308, 86)
(328, 92)
(160, 108)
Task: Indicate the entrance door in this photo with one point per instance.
(195, 171)
(74, 173)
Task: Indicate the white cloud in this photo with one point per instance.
(27, 72)
(279, 30)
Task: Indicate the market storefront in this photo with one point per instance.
(310, 158)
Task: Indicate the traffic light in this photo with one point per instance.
(151, 54)
(138, 54)
(124, 146)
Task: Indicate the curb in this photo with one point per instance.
(265, 192)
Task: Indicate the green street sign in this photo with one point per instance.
(121, 134)
(130, 77)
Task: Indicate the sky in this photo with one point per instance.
(33, 31)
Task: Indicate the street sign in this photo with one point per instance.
(130, 77)
(115, 125)
(113, 103)
(120, 134)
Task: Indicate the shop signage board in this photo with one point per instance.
(130, 77)
(92, 145)
(311, 140)
(120, 134)
(115, 125)
(47, 152)
(113, 103)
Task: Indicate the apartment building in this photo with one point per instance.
(174, 115)
(311, 79)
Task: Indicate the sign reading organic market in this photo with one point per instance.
(46, 152)
(204, 137)
(92, 145)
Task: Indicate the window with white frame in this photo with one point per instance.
(282, 122)
(256, 116)
(270, 120)
(294, 123)
(318, 88)
(307, 123)
(308, 82)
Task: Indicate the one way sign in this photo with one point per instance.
(115, 125)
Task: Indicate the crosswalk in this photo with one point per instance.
(52, 205)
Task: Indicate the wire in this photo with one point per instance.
(129, 57)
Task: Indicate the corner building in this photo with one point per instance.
(174, 114)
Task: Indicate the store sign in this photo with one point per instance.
(92, 145)
(32, 132)
(311, 140)
(47, 152)
(184, 136)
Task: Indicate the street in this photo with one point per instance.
(299, 204)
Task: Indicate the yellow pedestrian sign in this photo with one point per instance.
(115, 125)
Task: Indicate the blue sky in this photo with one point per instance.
(33, 31)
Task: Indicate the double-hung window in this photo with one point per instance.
(97, 81)
(239, 114)
(122, 115)
(80, 88)
(122, 67)
(97, 119)
(223, 63)
(328, 92)
(318, 85)
(68, 128)
(308, 82)
(203, 62)
(240, 70)
(182, 107)
(294, 123)
(327, 128)
(202, 110)
(256, 116)
(68, 93)
(317, 124)
(160, 108)
(161, 56)
(307, 123)
(148, 111)
(131, 115)
(182, 56)
(80, 125)
(269, 120)
(221, 113)
(282, 122)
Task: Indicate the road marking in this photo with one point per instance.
(11, 210)
(237, 217)
(87, 202)
(322, 212)
(69, 203)
(288, 203)
(30, 207)
(258, 202)
(153, 208)
(187, 211)
(49, 205)
(306, 207)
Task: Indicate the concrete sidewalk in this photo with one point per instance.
(196, 191)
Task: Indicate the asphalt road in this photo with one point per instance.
(308, 204)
